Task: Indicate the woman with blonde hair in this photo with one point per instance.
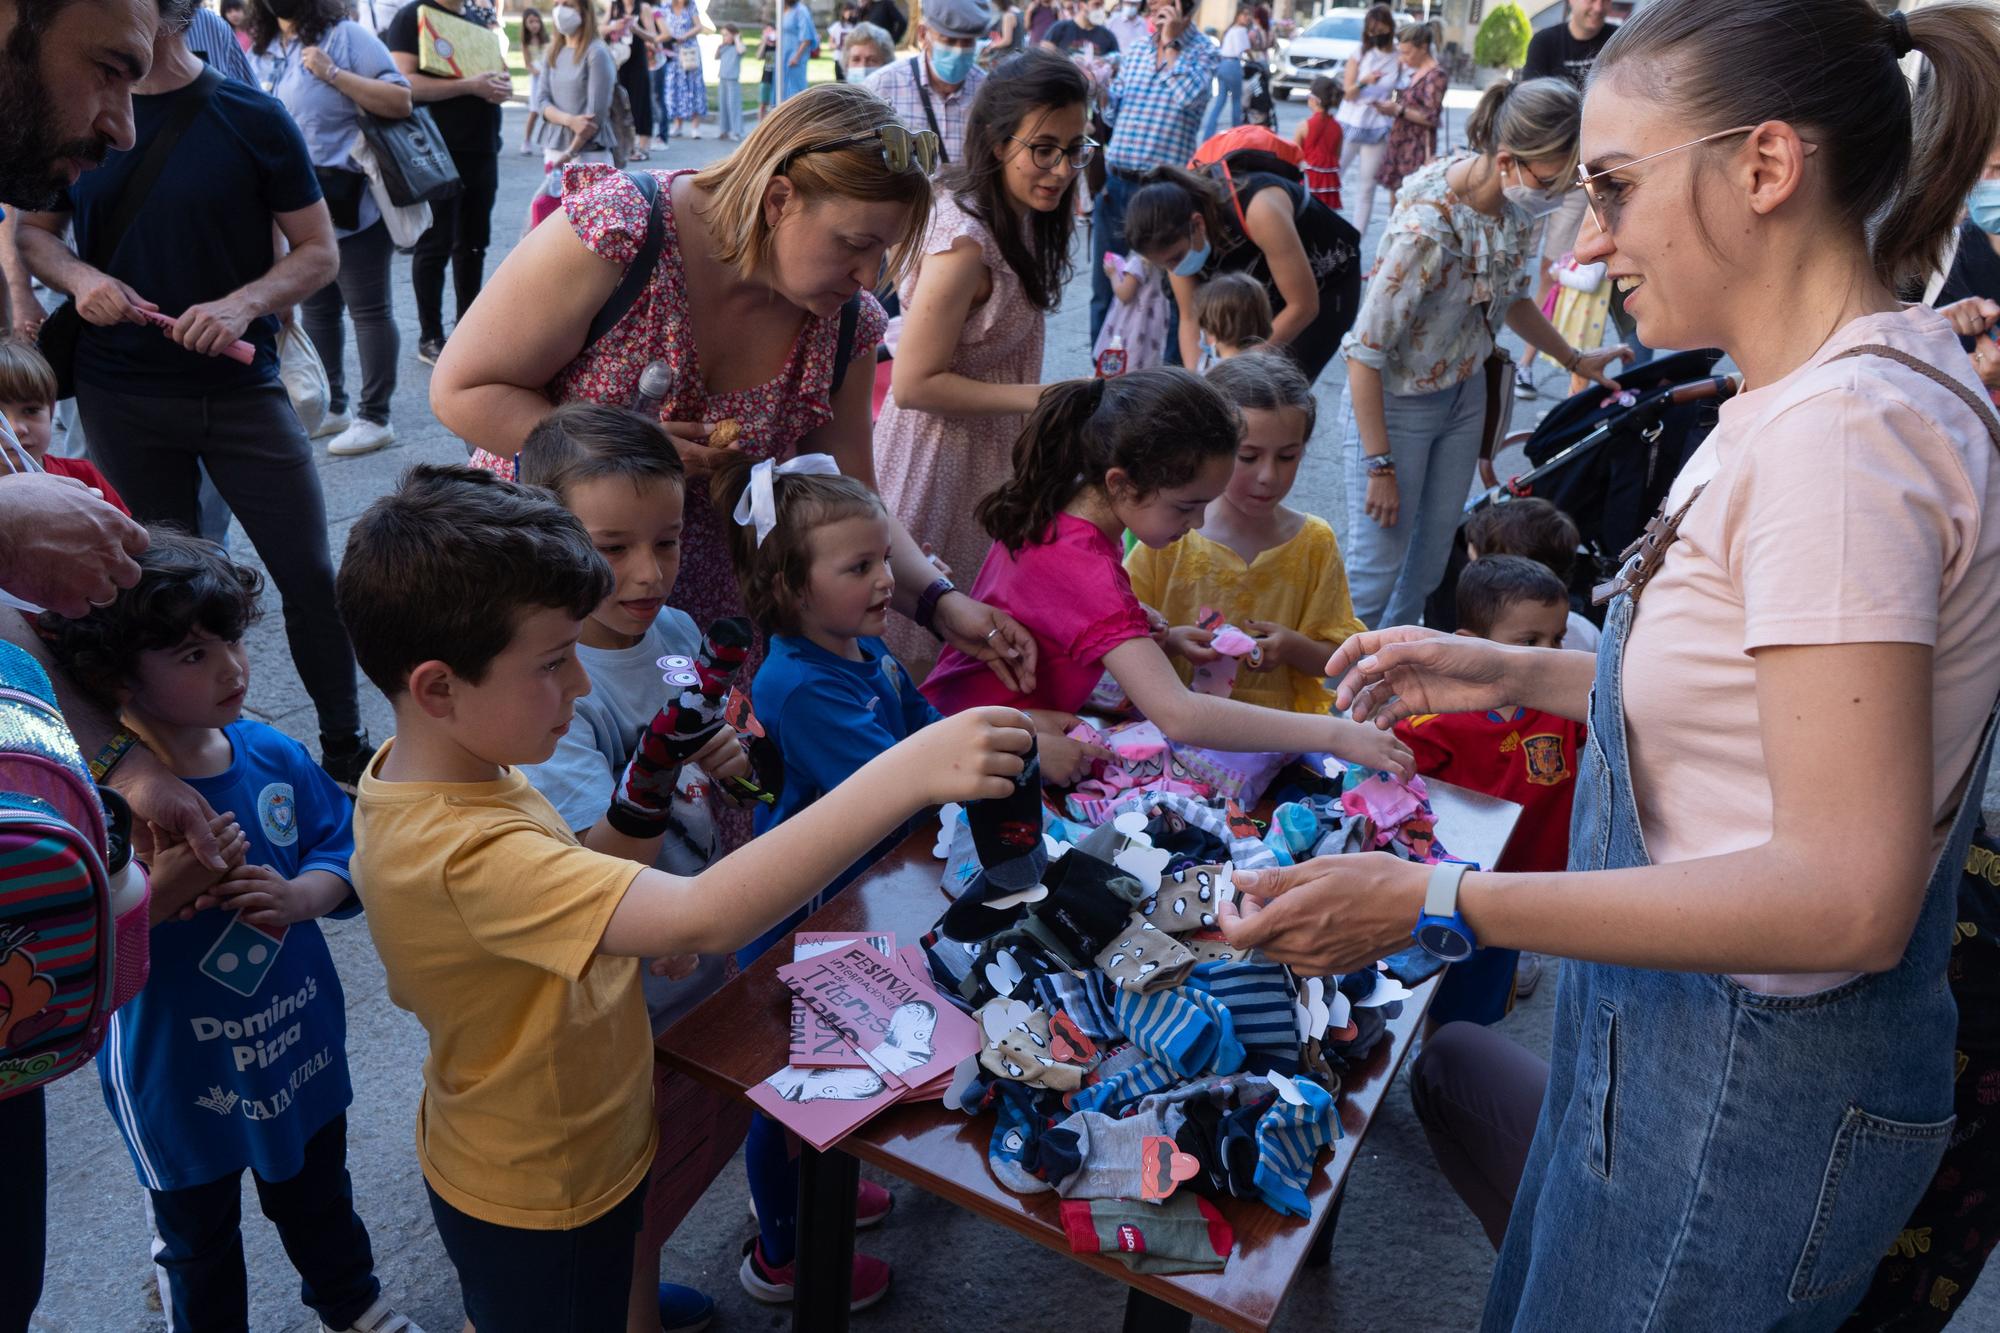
(755, 294)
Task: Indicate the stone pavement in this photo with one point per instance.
(1406, 1255)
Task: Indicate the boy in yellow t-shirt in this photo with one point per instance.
(516, 947)
(1270, 570)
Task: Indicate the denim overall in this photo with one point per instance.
(1712, 1158)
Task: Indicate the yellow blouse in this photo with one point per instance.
(1301, 584)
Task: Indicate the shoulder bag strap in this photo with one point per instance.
(626, 294)
(924, 96)
(1930, 372)
(843, 351)
(132, 198)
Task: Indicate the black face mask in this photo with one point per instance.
(1380, 41)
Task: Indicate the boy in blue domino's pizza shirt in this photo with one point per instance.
(234, 1055)
(1517, 754)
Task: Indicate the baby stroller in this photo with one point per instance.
(1607, 461)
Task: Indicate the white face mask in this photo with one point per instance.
(1095, 16)
(568, 19)
(1532, 199)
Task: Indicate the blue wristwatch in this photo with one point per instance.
(1441, 931)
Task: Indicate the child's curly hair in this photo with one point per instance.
(184, 583)
(775, 575)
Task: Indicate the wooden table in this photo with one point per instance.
(741, 1035)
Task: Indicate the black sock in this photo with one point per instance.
(1007, 832)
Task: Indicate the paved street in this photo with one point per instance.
(1407, 1254)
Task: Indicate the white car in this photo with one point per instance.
(1321, 51)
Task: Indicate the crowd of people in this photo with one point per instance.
(859, 484)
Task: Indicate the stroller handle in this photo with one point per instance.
(1721, 387)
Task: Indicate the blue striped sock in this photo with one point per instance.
(1288, 1142)
(1126, 1086)
(1258, 998)
(1168, 1026)
(1086, 998)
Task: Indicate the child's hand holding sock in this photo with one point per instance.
(643, 803)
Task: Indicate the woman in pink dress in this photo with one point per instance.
(760, 254)
(968, 361)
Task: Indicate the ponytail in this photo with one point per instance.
(1157, 425)
(1898, 168)
(774, 574)
(1532, 121)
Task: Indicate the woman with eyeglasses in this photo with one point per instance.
(1455, 265)
(968, 366)
(1752, 1074)
(1235, 219)
(762, 258)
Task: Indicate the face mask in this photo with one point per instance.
(1191, 263)
(1094, 16)
(953, 64)
(1984, 205)
(1534, 202)
(568, 20)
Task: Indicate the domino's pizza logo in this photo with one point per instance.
(278, 814)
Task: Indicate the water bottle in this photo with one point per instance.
(656, 381)
(1111, 361)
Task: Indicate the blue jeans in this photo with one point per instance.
(731, 105)
(1228, 88)
(1709, 1156)
(1434, 438)
(199, 1245)
(657, 80)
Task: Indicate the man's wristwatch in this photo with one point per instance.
(1441, 931)
(927, 603)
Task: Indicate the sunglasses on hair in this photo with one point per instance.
(901, 149)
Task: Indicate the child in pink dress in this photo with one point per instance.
(1145, 451)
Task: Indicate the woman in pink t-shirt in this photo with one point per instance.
(1751, 1081)
(1143, 452)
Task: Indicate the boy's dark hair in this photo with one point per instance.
(25, 374)
(1492, 583)
(1233, 308)
(1328, 92)
(581, 442)
(774, 576)
(1158, 425)
(1266, 381)
(184, 583)
(1530, 527)
(442, 568)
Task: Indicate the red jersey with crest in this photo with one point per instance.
(1517, 754)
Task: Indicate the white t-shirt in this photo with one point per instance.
(1236, 43)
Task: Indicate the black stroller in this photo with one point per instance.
(1607, 462)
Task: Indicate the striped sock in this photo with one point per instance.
(1258, 998)
(1288, 1142)
(1085, 997)
(1128, 1085)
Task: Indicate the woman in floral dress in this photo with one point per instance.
(687, 92)
(1414, 112)
(746, 312)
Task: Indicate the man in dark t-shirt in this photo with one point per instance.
(1568, 50)
(1086, 32)
(467, 112)
(159, 394)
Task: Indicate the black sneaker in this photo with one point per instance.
(429, 350)
(345, 760)
(1524, 384)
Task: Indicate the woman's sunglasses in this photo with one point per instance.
(901, 149)
(1045, 155)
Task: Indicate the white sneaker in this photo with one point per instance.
(377, 1318)
(332, 424)
(363, 437)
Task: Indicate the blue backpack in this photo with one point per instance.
(65, 961)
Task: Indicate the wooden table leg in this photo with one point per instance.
(824, 1266)
(1321, 1252)
(1145, 1313)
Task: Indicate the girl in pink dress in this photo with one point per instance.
(968, 362)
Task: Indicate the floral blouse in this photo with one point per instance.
(1438, 263)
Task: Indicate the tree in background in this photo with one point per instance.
(1502, 42)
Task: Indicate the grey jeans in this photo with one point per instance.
(1478, 1094)
(259, 458)
(362, 289)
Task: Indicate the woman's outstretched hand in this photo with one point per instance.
(989, 635)
(1387, 675)
(1332, 914)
